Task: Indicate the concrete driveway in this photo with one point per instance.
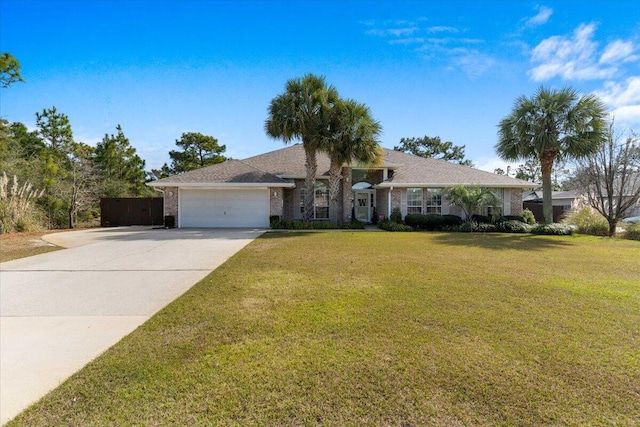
(60, 310)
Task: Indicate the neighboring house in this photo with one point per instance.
(562, 202)
(245, 193)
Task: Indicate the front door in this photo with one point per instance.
(364, 201)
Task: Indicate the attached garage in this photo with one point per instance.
(237, 207)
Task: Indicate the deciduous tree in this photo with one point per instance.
(610, 178)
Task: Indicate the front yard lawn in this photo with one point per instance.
(370, 328)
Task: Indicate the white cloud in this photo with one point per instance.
(490, 164)
(543, 15)
(618, 51)
(409, 40)
(396, 32)
(624, 100)
(473, 63)
(574, 57)
(617, 94)
(629, 115)
(442, 29)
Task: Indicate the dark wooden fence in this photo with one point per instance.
(131, 211)
(536, 208)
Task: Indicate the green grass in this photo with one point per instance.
(398, 329)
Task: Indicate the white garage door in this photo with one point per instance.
(224, 208)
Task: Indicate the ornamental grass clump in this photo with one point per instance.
(587, 220)
(528, 217)
(17, 213)
(633, 232)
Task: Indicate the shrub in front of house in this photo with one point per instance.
(513, 226)
(482, 227)
(481, 219)
(510, 218)
(290, 224)
(388, 225)
(429, 222)
(554, 229)
(451, 221)
(474, 227)
(633, 232)
(396, 216)
(528, 217)
(587, 221)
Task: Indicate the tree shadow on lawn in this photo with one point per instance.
(503, 241)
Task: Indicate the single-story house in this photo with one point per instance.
(562, 202)
(245, 193)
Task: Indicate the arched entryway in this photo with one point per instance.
(364, 201)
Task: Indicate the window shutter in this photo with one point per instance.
(506, 204)
(445, 203)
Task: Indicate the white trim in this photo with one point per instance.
(301, 177)
(448, 185)
(260, 185)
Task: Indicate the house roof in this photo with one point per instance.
(536, 195)
(274, 167)
(231, 173)
(430, 172)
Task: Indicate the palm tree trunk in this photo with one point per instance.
(334, 191)
(546, 166)
(309, 183)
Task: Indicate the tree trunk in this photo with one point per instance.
(334, 190)
(309, 183)
(546, 164)
(612, 227)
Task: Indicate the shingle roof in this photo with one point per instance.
(289, 162)
(440, 173)
(229, 172)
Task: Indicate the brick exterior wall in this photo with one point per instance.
(288, 202)
(171, 201)
(382, 199)
(516, 201)
(276, 201)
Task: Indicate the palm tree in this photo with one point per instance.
(353, 136)
(471, 198)
(303, 112)
(552, 125)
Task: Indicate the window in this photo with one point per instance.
(320, 201)
(414, 200)
(496, 210)
(434, 200)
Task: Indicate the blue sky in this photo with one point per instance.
(437, 68)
